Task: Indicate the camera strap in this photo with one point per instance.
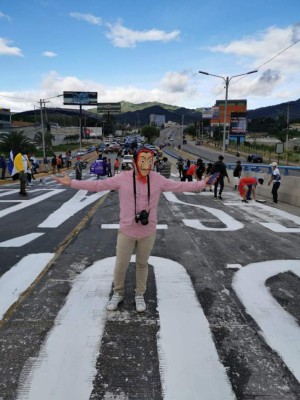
(134, 191)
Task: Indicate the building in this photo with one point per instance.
(157, 120)
(236, 119)
(5, 120)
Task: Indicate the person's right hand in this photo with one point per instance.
(64, 180)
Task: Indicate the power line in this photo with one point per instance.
(277, 55)
(266, 62)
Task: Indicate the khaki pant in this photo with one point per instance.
(125, 248)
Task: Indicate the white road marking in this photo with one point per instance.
(20, 240)
(29, 202)
(230, 223)
(117, 226)
(79, 201)
(190, 365)
(252, 208)
(8, 192)
(233, 266)
(279, 228)
(15, 281)
(279, 328)
(65, 367)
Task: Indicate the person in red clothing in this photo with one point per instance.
(191, 172)
(248, 183)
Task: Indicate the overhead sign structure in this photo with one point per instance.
(81, 98)
(103, 108)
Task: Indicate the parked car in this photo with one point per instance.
(81, 153)
(127, 162)
(91, 148)
(255, 158)
(152, 148)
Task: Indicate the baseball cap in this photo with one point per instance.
(274, 164)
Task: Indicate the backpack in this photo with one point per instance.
(54, 161)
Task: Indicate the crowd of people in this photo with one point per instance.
(188, 171)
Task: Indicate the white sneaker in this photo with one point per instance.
(114, 302)
(140, 303)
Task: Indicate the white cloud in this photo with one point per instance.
(49, 54)
(5, 16)
(265, 45)
(53, 84)
(90, 18)
(124, 37)
(175, 82)
(5, 49)
(275, 53)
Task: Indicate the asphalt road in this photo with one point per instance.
(223, 299)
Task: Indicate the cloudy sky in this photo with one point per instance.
(142, 50)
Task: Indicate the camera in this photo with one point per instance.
(143, 217)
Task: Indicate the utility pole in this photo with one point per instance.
(287, 133)
(42, 103)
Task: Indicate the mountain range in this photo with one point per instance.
(139, 114)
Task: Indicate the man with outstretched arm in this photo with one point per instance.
(139, 192)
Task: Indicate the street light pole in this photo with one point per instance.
(226, 81)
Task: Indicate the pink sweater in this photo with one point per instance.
(123, 182)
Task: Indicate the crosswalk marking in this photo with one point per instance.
(188, 357)
(21, 240)
(14, 282)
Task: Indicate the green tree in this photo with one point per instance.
(15, 141)
(150, 133)
(48, 137)
(191, 130)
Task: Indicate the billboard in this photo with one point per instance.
(210, 113)
(81, 98)
(206, 113)
(215, 112)
(238, 124)
(103, 108)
